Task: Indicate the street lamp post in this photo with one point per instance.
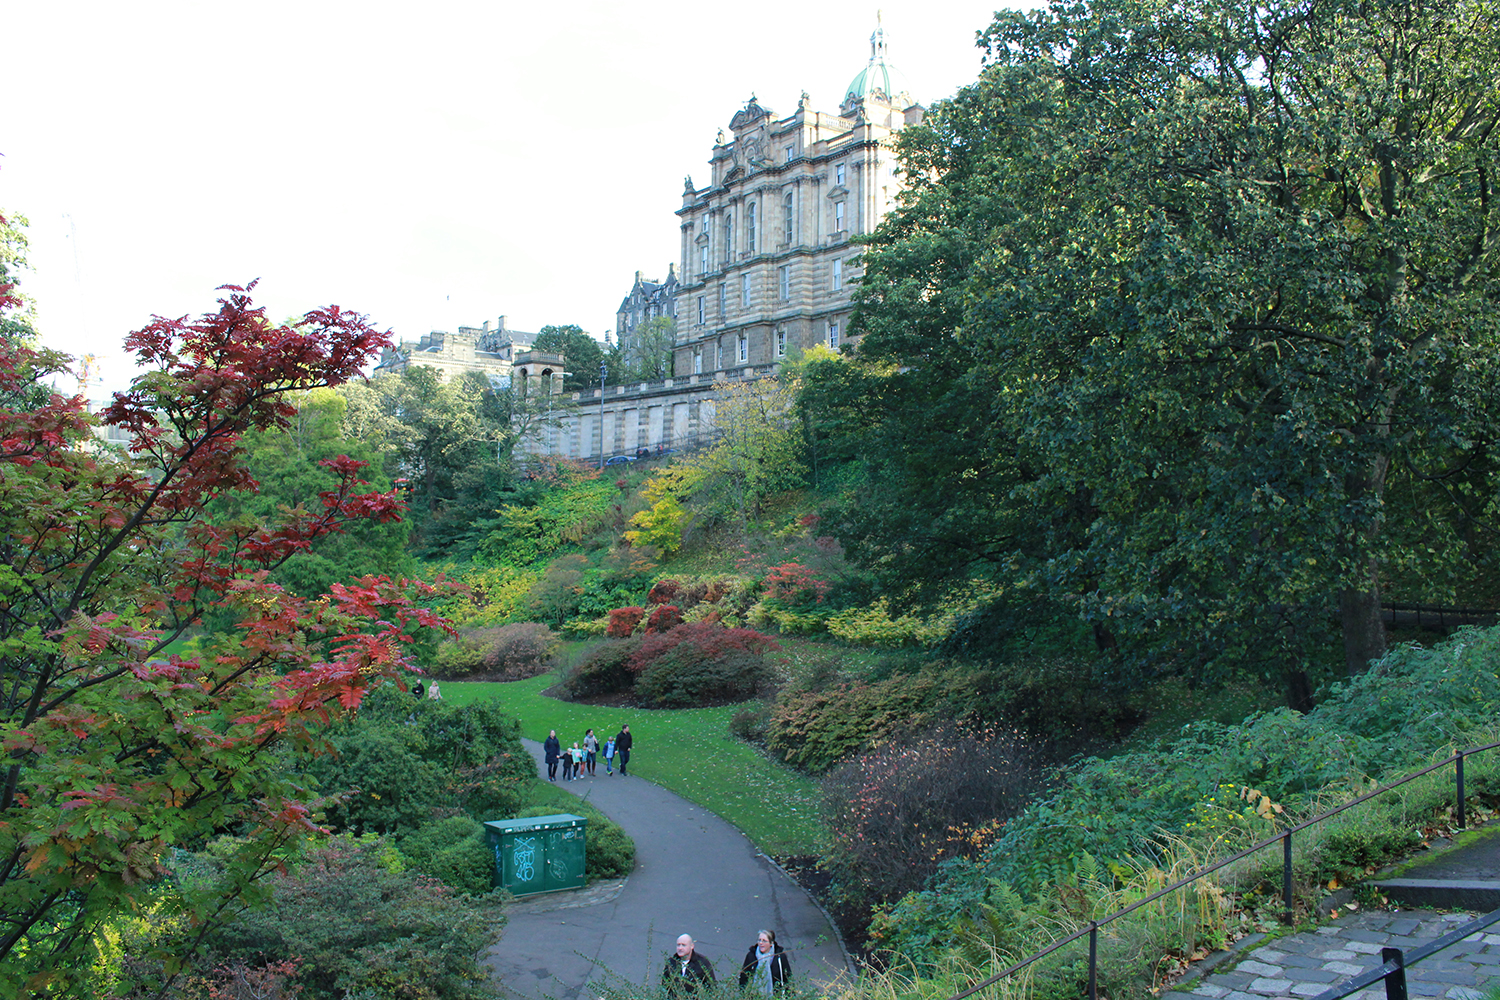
(603, 370)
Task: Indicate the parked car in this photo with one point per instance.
(620, 460)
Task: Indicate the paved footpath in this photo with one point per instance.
(1301, 966)
(694, 874)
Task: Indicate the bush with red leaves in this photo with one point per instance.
(622, 622)
(664, 591)
(701, 663)
(663, 618)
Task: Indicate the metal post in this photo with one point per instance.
(1395, 980)
(1460, 763)
(1286, 874)
(603, 370)
(1093, 960)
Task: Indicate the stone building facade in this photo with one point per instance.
(767, 268)
(767, 262)
(647, 300)
(674, 412)
(491, 350)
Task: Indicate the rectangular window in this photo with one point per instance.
(791, 151)
(745, 291)
(719, 356)
(786, 216)
(702, 310)
(728, 236)
(838, 275)
(838, 175)
(744, 348)
(697, 362)
(781, 343)
(784, 279)
(838, 217)
(723, 296)
(750, 228)
(833, 334)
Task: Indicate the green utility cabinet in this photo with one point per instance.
(538, 854)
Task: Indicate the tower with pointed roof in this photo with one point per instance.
(767, 263)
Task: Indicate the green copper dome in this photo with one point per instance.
(879, 81)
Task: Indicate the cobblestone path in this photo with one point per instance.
(1301, 966)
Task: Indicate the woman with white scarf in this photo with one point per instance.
(766, 967)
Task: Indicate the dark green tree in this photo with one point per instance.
(648, 354)
(581, 353)
(1196, 319)
(451, 439)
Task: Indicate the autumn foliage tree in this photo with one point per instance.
(117, 751)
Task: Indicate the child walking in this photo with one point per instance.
(609, 756)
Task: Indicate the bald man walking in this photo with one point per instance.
(686, 971)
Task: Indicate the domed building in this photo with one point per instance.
(767, 265)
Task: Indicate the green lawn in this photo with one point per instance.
(689, 751)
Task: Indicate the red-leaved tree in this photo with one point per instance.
(115, 751)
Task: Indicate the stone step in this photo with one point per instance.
(1444, 894)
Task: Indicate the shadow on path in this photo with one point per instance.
(694, 874)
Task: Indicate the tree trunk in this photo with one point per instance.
(1298, 690)
(1363, 627)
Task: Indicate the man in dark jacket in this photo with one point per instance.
(686, 971)
(622, 747)
(551, 750)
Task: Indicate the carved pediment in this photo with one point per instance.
(750, 114)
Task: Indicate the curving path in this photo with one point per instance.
(694, 874)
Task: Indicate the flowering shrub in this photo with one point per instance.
(622, 622)
(663, 617)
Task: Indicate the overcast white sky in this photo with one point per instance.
(429, 165)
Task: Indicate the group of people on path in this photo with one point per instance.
(766, 968)
(582, 761)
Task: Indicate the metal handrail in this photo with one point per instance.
(1393, 967)
(1284, 837)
